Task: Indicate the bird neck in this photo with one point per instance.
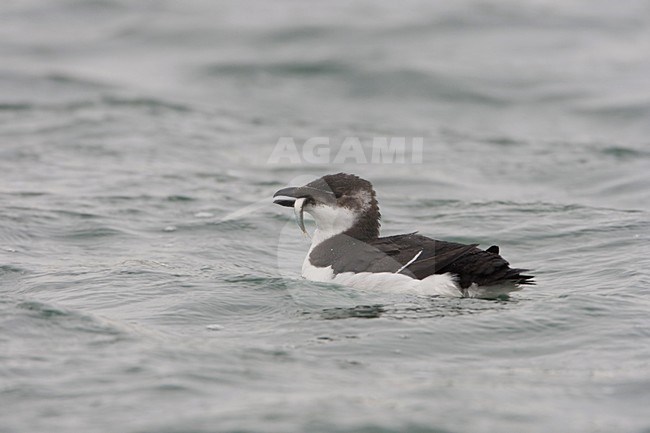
(366, 227)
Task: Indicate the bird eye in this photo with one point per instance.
(338, 194)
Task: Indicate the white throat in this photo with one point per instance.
(330, 221)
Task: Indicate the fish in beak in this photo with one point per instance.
(289, 197)
(299, 197)
(298, 211)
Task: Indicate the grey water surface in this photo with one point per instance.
(148, 284)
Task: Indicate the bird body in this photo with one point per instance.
(346, 247)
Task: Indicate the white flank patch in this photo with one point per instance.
(441, 285)
(433, 285)
(437, 284)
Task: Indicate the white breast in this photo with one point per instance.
(315, 273)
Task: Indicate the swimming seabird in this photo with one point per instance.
(346, 247)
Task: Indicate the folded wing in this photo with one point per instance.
(418, 257)
(469, 263)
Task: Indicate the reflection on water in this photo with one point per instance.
(360, 312)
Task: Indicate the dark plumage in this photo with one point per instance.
(360, 249)
(469, 263)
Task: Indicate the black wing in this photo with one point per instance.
(417, 256)
(469, 263)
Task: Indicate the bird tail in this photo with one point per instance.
(517, 276)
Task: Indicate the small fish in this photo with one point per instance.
(298, 211)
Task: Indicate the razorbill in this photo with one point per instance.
(346, 247)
